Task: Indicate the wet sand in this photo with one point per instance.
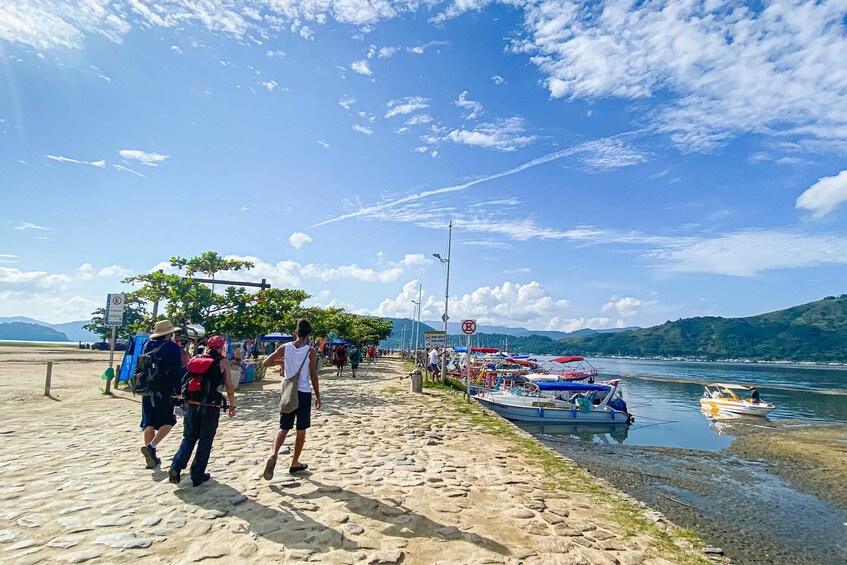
(394, 477)
(778, 495)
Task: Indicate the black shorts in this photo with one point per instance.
(157, 412)
(303, 414)
(339, 363)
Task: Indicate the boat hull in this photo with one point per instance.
(736, 407)
(548, 415)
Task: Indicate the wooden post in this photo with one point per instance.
(48, 379)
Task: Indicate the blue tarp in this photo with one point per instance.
(338, 342)
(570, 386)
(136, 345)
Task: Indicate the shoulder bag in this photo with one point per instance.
(289, 401)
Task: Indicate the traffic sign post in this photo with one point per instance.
(114, 317)
(469, 329)
(435, 339)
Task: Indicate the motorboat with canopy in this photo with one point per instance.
(724, 397)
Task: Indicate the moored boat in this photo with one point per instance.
(722, 397)
(560, 402)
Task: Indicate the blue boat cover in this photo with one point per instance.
(571, 386)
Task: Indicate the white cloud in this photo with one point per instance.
(502, 135)
(39, 279)
(114, 271)
(434, 153)
(100, 74)
(422, 149)
(324, 144)
(284, 274)
(723, 70)
(822, 197)
(387, 52)
(298, 239)
(402, 307)
(421, 49)
(627, 306)
(472, 108)
(278, 54)
(176, 49)
(362, 129)
(361, 67)
(85, 272)
(608, 154)
(346, 101)
(572, 324)
(356, 272)
(415, 260)
(270, 85)
(406, 106)
(99, 164)
(498, 80)
(128, 170)
(30, 226)
(750, 252)
(149, 159)
(420, 119)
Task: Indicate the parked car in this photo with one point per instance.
(104, 346)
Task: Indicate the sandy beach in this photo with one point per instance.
(394, 477)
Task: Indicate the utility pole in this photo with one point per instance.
(445, 317)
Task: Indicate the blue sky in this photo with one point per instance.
(604, 164)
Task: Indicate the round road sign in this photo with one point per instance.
(469, 327)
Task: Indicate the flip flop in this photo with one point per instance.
(269, 468)
(298, 468)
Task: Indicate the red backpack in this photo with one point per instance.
(202, 379)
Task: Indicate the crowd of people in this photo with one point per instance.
(174, 384)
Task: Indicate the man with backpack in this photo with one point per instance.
(202, 405)
(157, 379)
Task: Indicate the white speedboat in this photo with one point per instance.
(722, 397)
(560, 402)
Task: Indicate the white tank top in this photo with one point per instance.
(294, 357)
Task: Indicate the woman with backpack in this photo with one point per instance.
(202, 405)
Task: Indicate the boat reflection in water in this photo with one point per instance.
(728, 423)
(597, 433)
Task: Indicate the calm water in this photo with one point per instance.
(667, 411)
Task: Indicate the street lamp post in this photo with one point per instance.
(415, 315)
(446, 297)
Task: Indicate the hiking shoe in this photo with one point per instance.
(173, 476)
(149, 453)
(201, 480)
(269, 468)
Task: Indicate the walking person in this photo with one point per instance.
(355, 359)
(202, 410)
(340, 359)
(164, 360)
(298, 360)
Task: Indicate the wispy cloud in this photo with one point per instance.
(149, 159)
(472, 108)
(128, 170)
(498, 80)
(30, 226)
(388, 204)
(324, 144)
(346, 101)
(62, 159)
(502, 135)
(362, 129)
(406, 106)
(386, 52)
(421, 49)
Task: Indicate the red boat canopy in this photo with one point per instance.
(522, 362)
(568, 359)
(484, 349)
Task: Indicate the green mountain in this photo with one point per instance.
(816, 331)
(30, 332)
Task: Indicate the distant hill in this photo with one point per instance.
(393, 342)
(73, 330)
(454, 328)
(30, 332)
(816, 331)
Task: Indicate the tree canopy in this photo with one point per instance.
(233, 310)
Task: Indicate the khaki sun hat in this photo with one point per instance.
(163, 328)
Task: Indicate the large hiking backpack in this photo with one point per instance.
(202, 379)
(147, 378)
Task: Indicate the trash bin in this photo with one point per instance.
(417, 381)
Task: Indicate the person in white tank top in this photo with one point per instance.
(298, 360)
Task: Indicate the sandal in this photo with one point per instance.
(269, 468)
(298, 468)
